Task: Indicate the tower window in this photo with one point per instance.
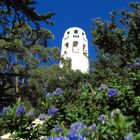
(67, 45)
(75, 31)
(68, 32)
(82, 33)
(84, 50)
(75, 48)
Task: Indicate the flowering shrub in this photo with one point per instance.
(111, 93)
(16, 119)
(116, 127)
(20, 111)
(52, 111)
(4, 111)
(41, 116)
(58, 92)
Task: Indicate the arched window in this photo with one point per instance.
(84, 50)
(75, 31)
(66, 45)
(75, 48)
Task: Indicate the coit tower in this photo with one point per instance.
(75, 47)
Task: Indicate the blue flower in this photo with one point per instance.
(20, 111)
(103, 86)
(102, 118)
(48, 94)
(112, 93)
(138, 60)
(52, 111)
(93, 127)
(58, 129)
(57, 138)
(58, 92)
(4, 111)
(72, 136)
(77, 126)
(128, 138)
(41, 116)
(76, 136)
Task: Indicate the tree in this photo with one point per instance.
(118, 61)
(117, 42)
(20, 49)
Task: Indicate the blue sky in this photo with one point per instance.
(79, 13)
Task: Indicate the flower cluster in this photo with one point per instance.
(93, 127)
(76, 136)
(57, 138)
(20, 111)
(4, 111)
(135, 65)
(58, 129)
(138, 61)
(102, 118)
(103, 86)
(58, 92)
(48, 94)
(52, 111)
(42, 117)
(111, 93)
(128, 138)
(77, 126)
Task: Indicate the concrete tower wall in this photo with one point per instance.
(75, 47)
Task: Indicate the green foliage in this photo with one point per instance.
(11, 122)
(114, 41)
(23, 48)
(102, 105)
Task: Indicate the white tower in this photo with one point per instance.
(75, 47)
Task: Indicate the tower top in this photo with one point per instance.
(75, 47)
(75, 31)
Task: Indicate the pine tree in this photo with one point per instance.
(21, 50)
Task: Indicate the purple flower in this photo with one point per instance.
(58, 92)
(138, 60)
(128, 138)
(111, 93)
(102, 118)
(20, 111)
(41, 117)
(52, 111)
(93, 127)
(4, 111)
(48, 94)
(103, 86)
(58, 129)
(77, 126)
(76, 136)
(57, 138)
